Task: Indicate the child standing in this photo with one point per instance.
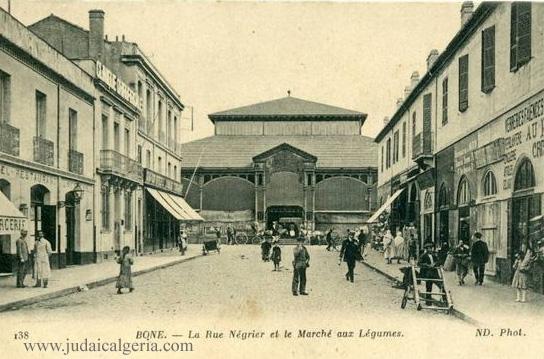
(125, 273)
(276, 255)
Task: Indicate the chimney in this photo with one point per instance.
(414, 79)
(123, 37)
(400, 100)
(433, 55)
(385, 121)
(467, 8)
(96, 34)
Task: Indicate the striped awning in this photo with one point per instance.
(385, 206)
(175, 205)
(11, 219)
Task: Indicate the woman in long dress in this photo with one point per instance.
(521, 267)
(388, 246)
(125, 273)
(42, 251)
(399, 247)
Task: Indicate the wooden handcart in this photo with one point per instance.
(415, 290)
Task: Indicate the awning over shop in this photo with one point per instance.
(11, 219)
(386, 205)
(176, 205)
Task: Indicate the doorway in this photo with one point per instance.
(42, 214)
(71, 211)
(463, 232)
(275, 213)
(523, 209)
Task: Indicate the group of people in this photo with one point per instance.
(401, 247)
(36, 259)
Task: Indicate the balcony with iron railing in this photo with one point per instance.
(159, 181)
(75, 162)
(44, 151)
(422, 145)
(115, 163)
(9, 139)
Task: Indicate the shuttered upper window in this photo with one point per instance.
(403, 139)
(463, 83)
(444, 101)
(396, 147)
(520, 34)
(388, 154)
(488, 59)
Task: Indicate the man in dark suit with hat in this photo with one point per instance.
(428, 263)
(348, 253)
(301, 261)
(479, 255)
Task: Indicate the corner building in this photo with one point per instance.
(477, 126)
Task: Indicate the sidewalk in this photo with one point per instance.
(491, 303)
(73, 279)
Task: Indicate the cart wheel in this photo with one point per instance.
(418, 307)
(241, 238)
(403, 303)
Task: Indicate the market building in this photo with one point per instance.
(286, 158)
(479, 110)
(46, 164)
(138, 136)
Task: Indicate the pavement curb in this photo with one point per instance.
(91, 285)
(455, 312)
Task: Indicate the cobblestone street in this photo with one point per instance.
(237, 284)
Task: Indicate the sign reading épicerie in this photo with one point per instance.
(524, 128)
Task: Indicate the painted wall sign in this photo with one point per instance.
(524, 129)
(26, 175)
(115, 83)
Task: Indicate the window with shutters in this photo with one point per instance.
(72, 129)
(520, 34)
(5, 94)
(463, 83)
(413, 126)
(382, 160)
(488, 59)
(444, 101)
(41, 114)
(388, 154)
(403, 139)
(396, 147)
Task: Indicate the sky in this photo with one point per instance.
(222, 55)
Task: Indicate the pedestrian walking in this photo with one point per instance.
(276, 255)
(328, 238)
(362, 240)
(428, 262)
(301, 261)
(522, 267)
(125, 262)
(349, 254)
(42, 252)
(399, 247)
(412, 248)
(230, 234)
(388, 246)
(479, 255)
(265, 249)
(443, 251)
(182, 242)
(218, 233)
(23, 256)
(461, 253)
